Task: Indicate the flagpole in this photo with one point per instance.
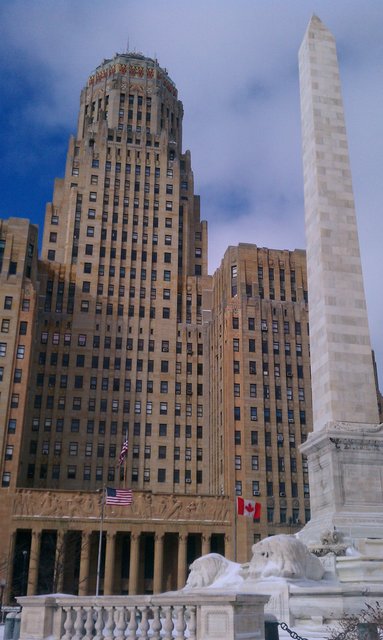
(100, 542)
(235, 527)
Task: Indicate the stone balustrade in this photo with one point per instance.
(173, 615)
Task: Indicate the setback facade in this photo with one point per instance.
(124, 335)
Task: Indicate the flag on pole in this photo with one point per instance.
(248, 508)
(118, 496)
(123, 453)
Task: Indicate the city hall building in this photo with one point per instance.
(117, 332)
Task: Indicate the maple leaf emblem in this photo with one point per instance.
(249, 507)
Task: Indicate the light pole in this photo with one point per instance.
(2, 587)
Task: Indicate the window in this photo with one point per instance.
(253, 413)
(163, 408)
(71, 472)
(254, 437)
(161, 477)
(3, 349)
(6, 479)
(238, 488)
(238, 463)
(20, 352)
(8, 302)
(252, 367)
(23, 328)
(255, 486)
(5, 324)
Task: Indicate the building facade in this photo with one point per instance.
(128, 337)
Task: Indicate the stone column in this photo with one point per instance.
(83, 581)
(206, 543)
(58, 576)
(158, 562)
(134, 562)
(34, 561)
(11, 558)
(182, 557)
(109, 563)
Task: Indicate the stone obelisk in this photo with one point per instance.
(345, 450)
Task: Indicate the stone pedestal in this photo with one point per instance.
(345, 463)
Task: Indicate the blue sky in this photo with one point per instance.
(235, 65)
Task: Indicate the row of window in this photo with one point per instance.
(265, 369)
(267, 415)
(101, 427)
(8, 302)
(115, 384)
(107, 363)
(266, 392)
(6, 325)
(265, 326)
(82, 339)
(72, 474)
(265, 347)
(270, 489)
(20, 350)
(114, 405)
(268, 439)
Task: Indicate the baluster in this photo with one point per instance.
(133, 626)
(191, 622)
(99, 626)
(121, 624)
(168, 625)
(68, 624)
(89, 624)
(109, 624)
(156, 624)
(180, 623)
(78, 623)
(144, 625)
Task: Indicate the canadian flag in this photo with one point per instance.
(248, 508)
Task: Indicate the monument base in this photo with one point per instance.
(345, 462)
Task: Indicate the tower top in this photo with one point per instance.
(132, 65)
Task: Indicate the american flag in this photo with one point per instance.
(118, 496)
(123, 452)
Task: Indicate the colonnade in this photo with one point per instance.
(163, 555)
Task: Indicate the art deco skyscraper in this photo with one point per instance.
(123, 243)
(207, 376)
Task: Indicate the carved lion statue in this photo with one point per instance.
(282, 556)
(208, 569)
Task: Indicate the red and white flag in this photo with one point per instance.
(123, 452)
(118, 496)
(248, 508)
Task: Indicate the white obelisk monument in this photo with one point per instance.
(345, 450)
